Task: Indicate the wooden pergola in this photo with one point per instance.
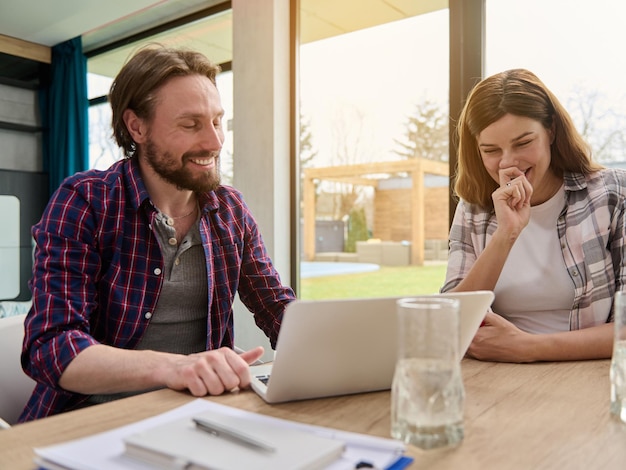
(356, 174)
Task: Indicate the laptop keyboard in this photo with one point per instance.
(263, 378)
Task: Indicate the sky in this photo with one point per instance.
(384, 71)
(581, 48)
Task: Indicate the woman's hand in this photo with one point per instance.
(511, 202)
(499, 340)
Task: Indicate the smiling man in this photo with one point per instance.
(136, 267)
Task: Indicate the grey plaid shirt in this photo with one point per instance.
(592, 233)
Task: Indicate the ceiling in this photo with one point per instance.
(51, 22)
(103, 22)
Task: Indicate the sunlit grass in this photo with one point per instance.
(387, 281)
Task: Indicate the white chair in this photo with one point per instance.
(15, 385)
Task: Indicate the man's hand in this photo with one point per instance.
(105, 369)
(212, 372)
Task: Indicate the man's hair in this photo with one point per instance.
(136, 85)
(520, 93)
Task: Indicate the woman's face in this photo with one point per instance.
(514, 146)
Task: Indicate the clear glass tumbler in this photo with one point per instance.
(618, 361)
(427, 394)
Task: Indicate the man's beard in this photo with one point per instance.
(167, 167)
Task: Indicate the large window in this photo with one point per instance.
(374, 104)
(374, 115)
(374, 157)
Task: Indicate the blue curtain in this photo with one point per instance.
(64, 106)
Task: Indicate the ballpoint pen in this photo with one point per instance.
(233, 434)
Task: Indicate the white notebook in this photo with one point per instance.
(181, 444)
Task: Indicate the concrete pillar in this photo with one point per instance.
(261, 132)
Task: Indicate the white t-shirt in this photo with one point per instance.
(535, 291)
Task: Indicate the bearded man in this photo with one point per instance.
(136, 267)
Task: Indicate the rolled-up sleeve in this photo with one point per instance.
(56, 329)
(468, 237)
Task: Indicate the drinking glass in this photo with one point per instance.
(618, 360)
(427, 391)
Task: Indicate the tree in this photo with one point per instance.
(601, 127)
(426, 133)
(357, 229)
(307, 154)
(350, 145)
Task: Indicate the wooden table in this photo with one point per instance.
(517, 416)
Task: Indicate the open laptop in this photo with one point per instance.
(339, 347)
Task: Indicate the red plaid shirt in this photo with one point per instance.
(98, 272)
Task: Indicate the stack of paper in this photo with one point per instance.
(172, 440)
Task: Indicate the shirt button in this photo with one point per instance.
(172, 241)
(157, 271)
(574, 273)
(170, 221)
(148, 315)
(177, 262)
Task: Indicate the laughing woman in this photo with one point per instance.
(538, 222)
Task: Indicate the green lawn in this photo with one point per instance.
(387, 281)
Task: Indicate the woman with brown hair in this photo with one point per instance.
(538, 222)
